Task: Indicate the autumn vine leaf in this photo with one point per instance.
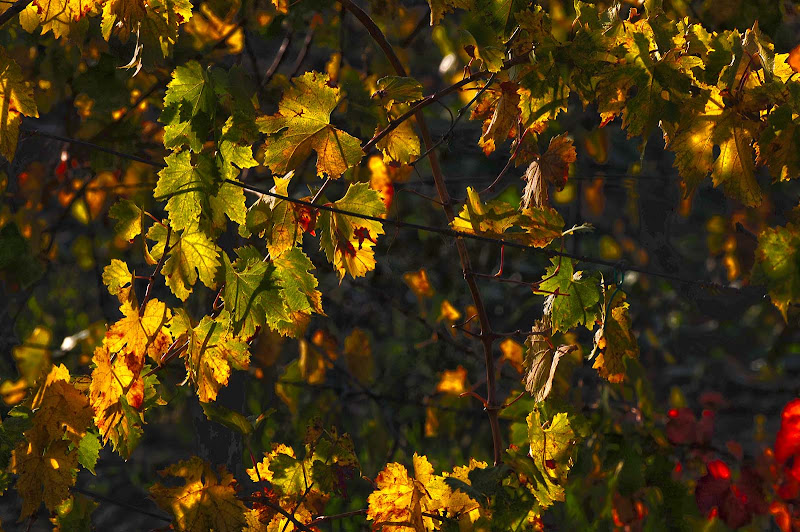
(303, 124)
(16, 100)
(541, 360)
(278, 221)
(551, 168)
(46, 462)
(211, 355)
(205, 499)
(136, 335)
(535, 226)
(505, 117)
(348, 241)
(614, 341)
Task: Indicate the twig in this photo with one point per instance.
(13, 11)
(301, 56)
(121, 504)
(405, 43)
(279, 57)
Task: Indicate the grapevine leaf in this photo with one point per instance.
(396, 89)
(614, 341)
(401, 145)
(347, 240)
(211, 353)
(505, 117)
(44, 475)
(303, 123)
(550, 169)
(135, 335)
(186, 187)
(61, 15)
(777, 265)
(251, 294)
(44, 462)
(205, 500)
(697, 137)
(578, 305)
(298, 292)
(440, 7)
(193, 255)
(276, 219)
(89, 451)
(114, 393)
(189, 106)
(288, 474)
(75, 514)
(130, 219)
(541, 360)
(494, 219)
(16, 100)
(155, 22)
(227, 417)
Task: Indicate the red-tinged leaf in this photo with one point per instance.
(681, 427)
(787, 442)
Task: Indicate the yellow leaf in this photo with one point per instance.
(134, 336)
(206, 499)
(110, 382)
(60, 15)
(419, 283)
(16, 99)
(358, 355)
(62, 412)
(43, 475)
(262, 473)
(512, 352)
(453, 381)
(33, 357)
(212, 352)
(504, 119)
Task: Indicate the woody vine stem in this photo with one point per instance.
(487, 336)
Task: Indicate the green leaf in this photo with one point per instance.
(298, 291)
(396, 89)
(227, 417)
(89, 451)
(186, 187)
(251, 294)
(289, 475)
(777, 265)
(578, 304)
(189, 106)
(75, 514)
(302, 124)
(193, 256)
(130, 219)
